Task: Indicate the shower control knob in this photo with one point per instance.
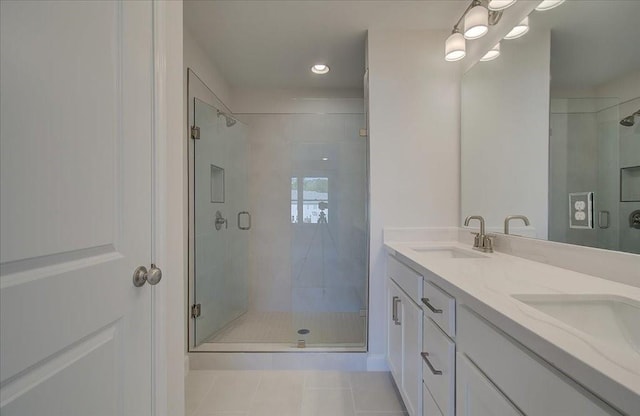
(142, 275)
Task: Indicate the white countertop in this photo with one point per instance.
(486, 285)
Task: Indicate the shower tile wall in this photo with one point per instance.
(584, 158)
(282, 147)
(629, 156)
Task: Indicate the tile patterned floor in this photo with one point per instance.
(328, 328)
(292, 393)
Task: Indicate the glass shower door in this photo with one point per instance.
(221, 221)
(329, 231)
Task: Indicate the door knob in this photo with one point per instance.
(142, 275)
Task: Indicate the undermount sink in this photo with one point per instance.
(447, 253)
(611, 319)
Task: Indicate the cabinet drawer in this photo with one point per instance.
(438, 366)
(439, 306)
(408, 279)
(544, 391)
(429, 407)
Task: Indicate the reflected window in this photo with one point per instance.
(309, 202)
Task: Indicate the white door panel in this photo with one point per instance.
(75, 207)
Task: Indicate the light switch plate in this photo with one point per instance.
(581, 210)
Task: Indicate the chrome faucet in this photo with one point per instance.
(514, 217)
(482, 242)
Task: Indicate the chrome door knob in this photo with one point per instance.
(142, 275)
(154, 275)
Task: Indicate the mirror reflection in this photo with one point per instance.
(551, 129)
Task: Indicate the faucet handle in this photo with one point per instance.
(476, 240)
(487, 244)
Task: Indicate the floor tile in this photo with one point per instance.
(327, 380)
(371, 380)
(377, 400)
(232, 391)
(197, 385)
(325, 402)
(279, 394)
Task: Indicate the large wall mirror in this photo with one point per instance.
(551, 129)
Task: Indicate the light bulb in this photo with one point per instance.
(519, 30)
(455, 47)
(492, 54)
(476, 22)
(548, 5)
(500, 4)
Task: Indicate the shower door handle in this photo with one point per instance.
(248, 227)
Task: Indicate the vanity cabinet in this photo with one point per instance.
(404, 324)
(447, 360)
(495, 370)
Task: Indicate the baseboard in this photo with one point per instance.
(377, 362)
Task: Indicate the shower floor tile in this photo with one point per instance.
(325, 328)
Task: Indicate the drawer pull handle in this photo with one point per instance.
(396, 301)
(430, 306)
(426, 360)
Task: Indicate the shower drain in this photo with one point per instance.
(303, 331)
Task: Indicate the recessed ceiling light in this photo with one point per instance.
(320, 69)
(325, 158)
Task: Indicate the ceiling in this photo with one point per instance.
(272, 44)
(592, 42)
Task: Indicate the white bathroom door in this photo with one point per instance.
(75, 207)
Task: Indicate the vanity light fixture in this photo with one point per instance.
(476, 21)
(492, 54)
(548, 5)
(500, 4)
(455, 47)
(519, 30)
(320, 69)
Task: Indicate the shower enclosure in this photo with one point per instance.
(278, 231)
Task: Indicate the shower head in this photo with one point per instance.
(230, 121)
(630, 120)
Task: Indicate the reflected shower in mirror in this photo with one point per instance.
(551, 130)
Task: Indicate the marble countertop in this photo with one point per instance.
(488, 284)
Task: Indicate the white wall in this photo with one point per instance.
(297, 101)
(505, 134)
(174, 231)
(414, 114)
(197, 60)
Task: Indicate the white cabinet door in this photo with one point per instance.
(394, 328)
(411, 349)
(476, 395)
(75, 207)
